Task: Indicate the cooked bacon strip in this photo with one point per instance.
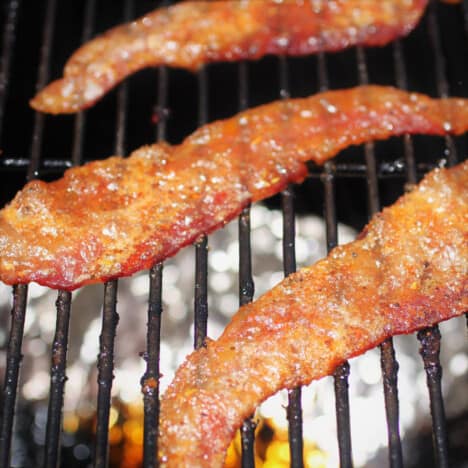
(407, 271)
(192, 33)
(112, 218)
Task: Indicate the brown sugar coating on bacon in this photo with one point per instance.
(114, 217)
(408, 270)
(192, 33)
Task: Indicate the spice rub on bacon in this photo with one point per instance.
(408, 270)
(112, 218)
(192, 33)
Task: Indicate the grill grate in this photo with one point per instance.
(364, 168)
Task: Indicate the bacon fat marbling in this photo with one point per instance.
(408, 270)
(192, 33)
(114, 217)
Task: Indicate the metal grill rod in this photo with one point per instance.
(385, 170)
(430, 350)
(57, 380)
(105, 365)
(440, 74)
(402, 83)
(389, 365)
(80, 119)
(60, 342)
(20, 291)
(340, 376)
(430, 338)
(42, 79)
(201, 247)
(110, 317)
(246, 283)
(18, 313)
(13, 361)
(8, 40)
(150, 380)
(294, 409)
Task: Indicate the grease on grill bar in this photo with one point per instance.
(38, 159)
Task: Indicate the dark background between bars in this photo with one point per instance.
(37, 37)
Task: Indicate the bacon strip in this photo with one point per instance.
(193, 33)
(407, 271)
(112, 218)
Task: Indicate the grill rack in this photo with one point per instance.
(371, 170)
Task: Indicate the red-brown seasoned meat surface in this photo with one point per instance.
(192, 33)
(114, 217)
(408, 270)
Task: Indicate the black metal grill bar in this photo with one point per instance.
(122, 96)
(440, 74)
(21, 162)
(369, 152)
(294, 409)
(329, 207)
(385, 170)
(295, 437)
(247, 440)
(201, 294)
(60, 342)
(389, 365)
(20, 292)
(110, 316)
(121, 119)
(8, 39)
(340, 382)
(42, 79)
(439, 59)
(57, 380)
(430, 350)
(430, 337)
(161, 105)
(13, 361)
(246, 283)
(341, 374)
(402, 83)
(201, 247)
(110, 319)
(388, 362)
(80, 119)
(150, 380)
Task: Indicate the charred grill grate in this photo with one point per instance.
(410, 164)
